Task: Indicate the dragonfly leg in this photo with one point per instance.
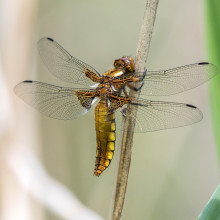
(125, 92)
(136, 88)
(138, 80)
(123, 110)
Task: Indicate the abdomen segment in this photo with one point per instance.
(105, 136)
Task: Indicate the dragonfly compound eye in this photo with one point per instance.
(129, 64)
(126, 63)
(119, 63)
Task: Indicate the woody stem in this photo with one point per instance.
(129, 123)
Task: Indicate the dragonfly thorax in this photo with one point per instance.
(104, 90)
(107, 76)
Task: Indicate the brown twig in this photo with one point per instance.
(129, 122)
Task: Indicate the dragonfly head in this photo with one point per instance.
(124, 63)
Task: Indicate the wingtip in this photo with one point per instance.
(28, 81)
(204, 63)
(50, 39)
(20, 84)
(191, 106)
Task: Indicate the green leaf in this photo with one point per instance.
(212, 209)
(212, 9)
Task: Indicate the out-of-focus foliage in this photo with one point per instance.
(213, 36)
(212, 9)
(212, 209)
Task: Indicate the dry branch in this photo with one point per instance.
(129, 122)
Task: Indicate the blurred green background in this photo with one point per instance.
(213, 35)
(173, 172)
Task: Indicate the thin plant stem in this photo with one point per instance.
(129, 122)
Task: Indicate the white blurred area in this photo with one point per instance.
(26, 186)
(47, 165)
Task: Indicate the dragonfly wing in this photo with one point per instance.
(64, 66)
(52, 101)
(157, 115)
(176, 80)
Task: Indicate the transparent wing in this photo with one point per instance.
(156, 115)
(52, 101)
(169, 82)
(60, 63)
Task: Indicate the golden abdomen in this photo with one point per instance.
(105, 136)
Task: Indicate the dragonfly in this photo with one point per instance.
(110, 89)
